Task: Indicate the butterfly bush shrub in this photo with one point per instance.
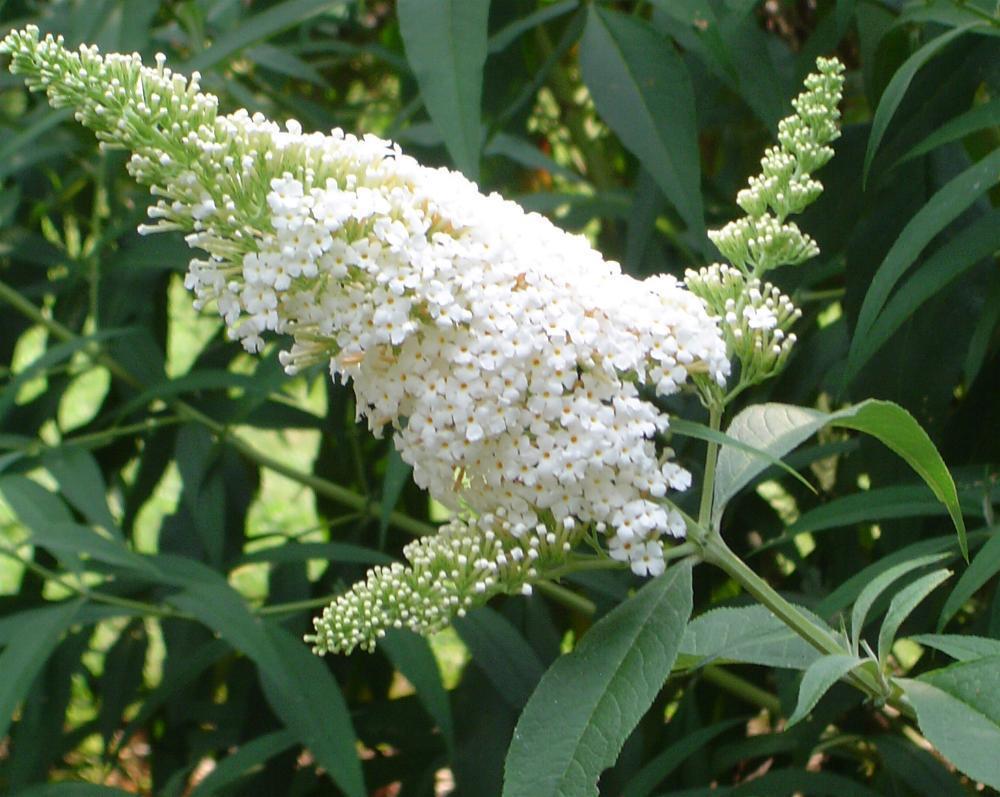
(520, 374)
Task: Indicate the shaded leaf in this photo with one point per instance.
(445, 44)
(641, 88)
(941, 209)
(25, 654)
(983, 567)
(894, 92)
(247, 756)
(413, 657)
(751, 634)
(502, 653)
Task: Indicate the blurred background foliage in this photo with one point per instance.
(174, 511)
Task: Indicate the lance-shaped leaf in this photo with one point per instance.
(821, 675)
(589, 701)
(641, 88)
(445, 44)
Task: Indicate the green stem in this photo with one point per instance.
(185, 411)
(715, 551)
(566, 597)
(742, 688)
(711, 458)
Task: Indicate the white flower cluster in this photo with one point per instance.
(764, 239)
(515, 365)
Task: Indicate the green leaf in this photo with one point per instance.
(983, 567)
(294, 680)
(977, 241)
(817, 680)
(507, 35)
(878, 503)
(661, 767)
(72, 538)
(699, 431)
(941, 209)
(963, 647)
(72, 790)
(326, 551)
(589, 701)
(445, 44)
(903, 603)
(982, 335)
(26, 654)
(750, 634)
(397, 475)
(411, 655)
(979, 117)
(917, 768)
(959, 715)
(893, 94)
(296, 691)
(247, 756)
(257, 28)
(81, 483)
(880, 584)
(778, 428)
(502, 653)
(641, 88)
(527, 154)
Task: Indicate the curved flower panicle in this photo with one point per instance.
(513, 364)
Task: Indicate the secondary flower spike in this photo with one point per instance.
(513, 363)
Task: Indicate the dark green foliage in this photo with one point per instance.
(174, 511)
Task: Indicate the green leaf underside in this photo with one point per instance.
(445, 44)
(749, 634)
(588, 702)
(900, 82)
(641, 88)
(778, 428)
(817, 680)
(699, 431)
(963, 730)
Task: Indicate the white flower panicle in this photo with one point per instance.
(756, 316)
(764, 239)
(514, 364)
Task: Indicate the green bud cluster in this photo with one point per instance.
(465, 564)
(756, 316)
(764, 240)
